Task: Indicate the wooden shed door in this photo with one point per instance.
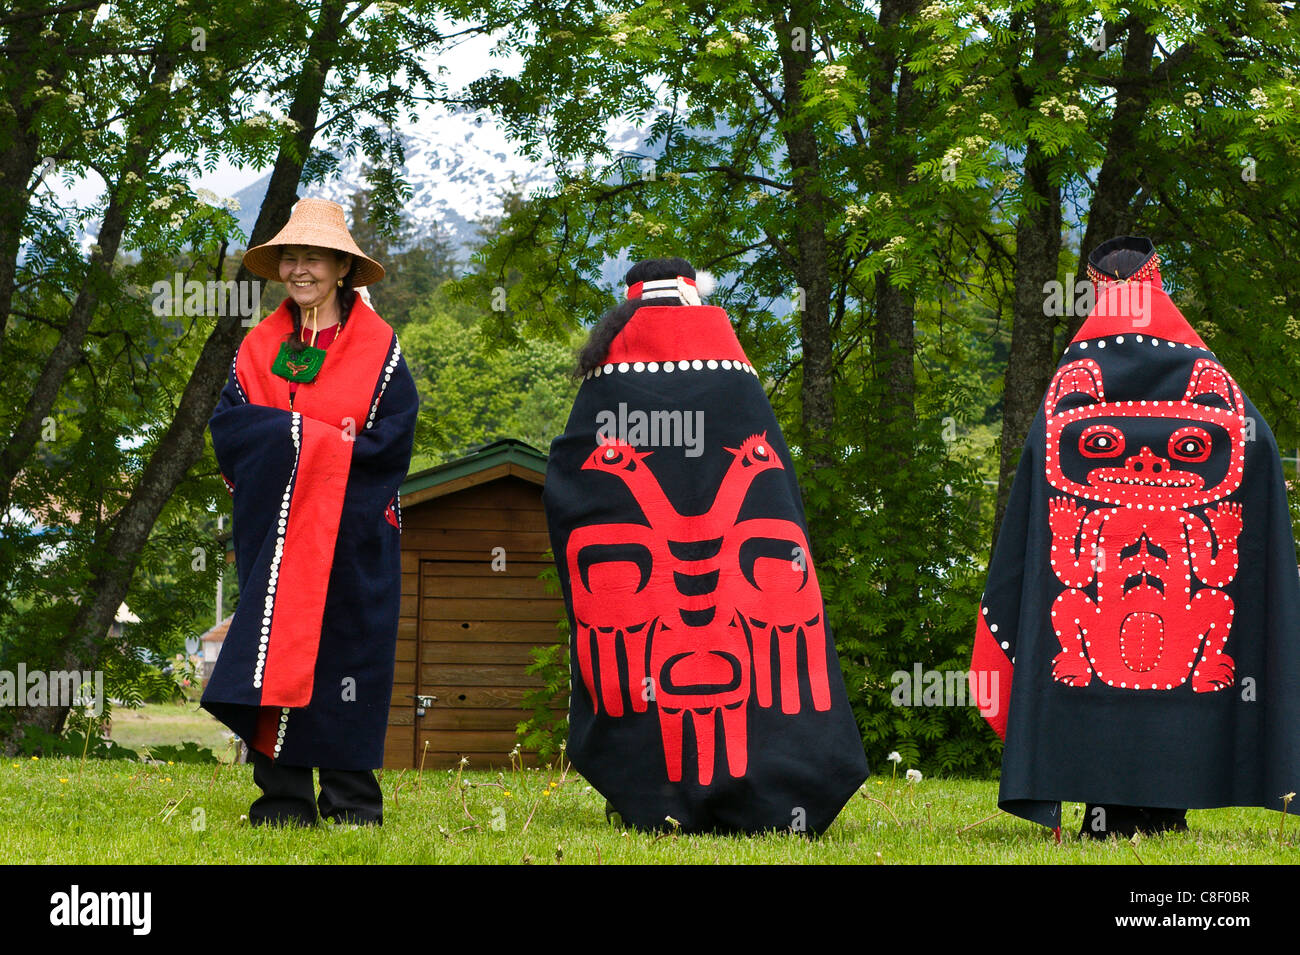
(476, 628)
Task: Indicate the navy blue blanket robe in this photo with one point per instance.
(306, 671)
(705, 685)
(1144, 590)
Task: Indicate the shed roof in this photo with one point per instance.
(506, 457)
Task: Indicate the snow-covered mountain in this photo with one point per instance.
(459, 166)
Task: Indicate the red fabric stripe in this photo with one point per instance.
(660, 333)
(331, 406)
(312, 530)
(988, 657)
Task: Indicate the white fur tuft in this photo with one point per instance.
(705, 283)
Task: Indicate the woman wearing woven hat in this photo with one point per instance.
(313, 436)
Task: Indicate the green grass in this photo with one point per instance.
(60, 810)
(169, 724)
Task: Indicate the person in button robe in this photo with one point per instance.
(313, 434)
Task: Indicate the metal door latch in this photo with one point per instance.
(422, 703)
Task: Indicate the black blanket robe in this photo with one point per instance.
(306, 671)
(1143, 591)
(705, 685)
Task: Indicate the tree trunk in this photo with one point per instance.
(145, 132)
(811, 266)
(19, 143)
(1038, 248)
(894, 340)
(1111, 212)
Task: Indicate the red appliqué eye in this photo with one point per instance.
(1189, 444)
(1101, 441)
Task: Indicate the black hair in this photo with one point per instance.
(347, 298)
(611, 323)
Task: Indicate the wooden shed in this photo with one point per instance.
(473, 544)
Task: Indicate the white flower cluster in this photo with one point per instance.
(211, 198)
(893, 246)
(855, 211)
(934, 11)
(620, 39)
(741, 38)
(266, 119)
(1073, 114)
(1193, 100)
(1258, 98)
(1292, 326)
(834, 72)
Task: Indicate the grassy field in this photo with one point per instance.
(169, 723)
(61, 810)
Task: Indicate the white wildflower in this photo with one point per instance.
(894, 757)
(1193, 100)
(913, 775)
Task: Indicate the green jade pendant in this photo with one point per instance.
(299, 367)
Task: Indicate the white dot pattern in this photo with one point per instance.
(235, 378)
(696, 364)
(279, 733)
(383, 385)
(282, 524)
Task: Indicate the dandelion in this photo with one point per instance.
(913, 775)
(894, 757)
(464, 761)
(35, 758)
(63, 779)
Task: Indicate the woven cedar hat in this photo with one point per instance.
(317, 222)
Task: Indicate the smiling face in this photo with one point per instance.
(311, 273)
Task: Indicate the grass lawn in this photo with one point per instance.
(61, 810)
(169, 723)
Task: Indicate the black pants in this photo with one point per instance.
(289, 797)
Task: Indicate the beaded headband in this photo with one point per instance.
(1148, 269)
